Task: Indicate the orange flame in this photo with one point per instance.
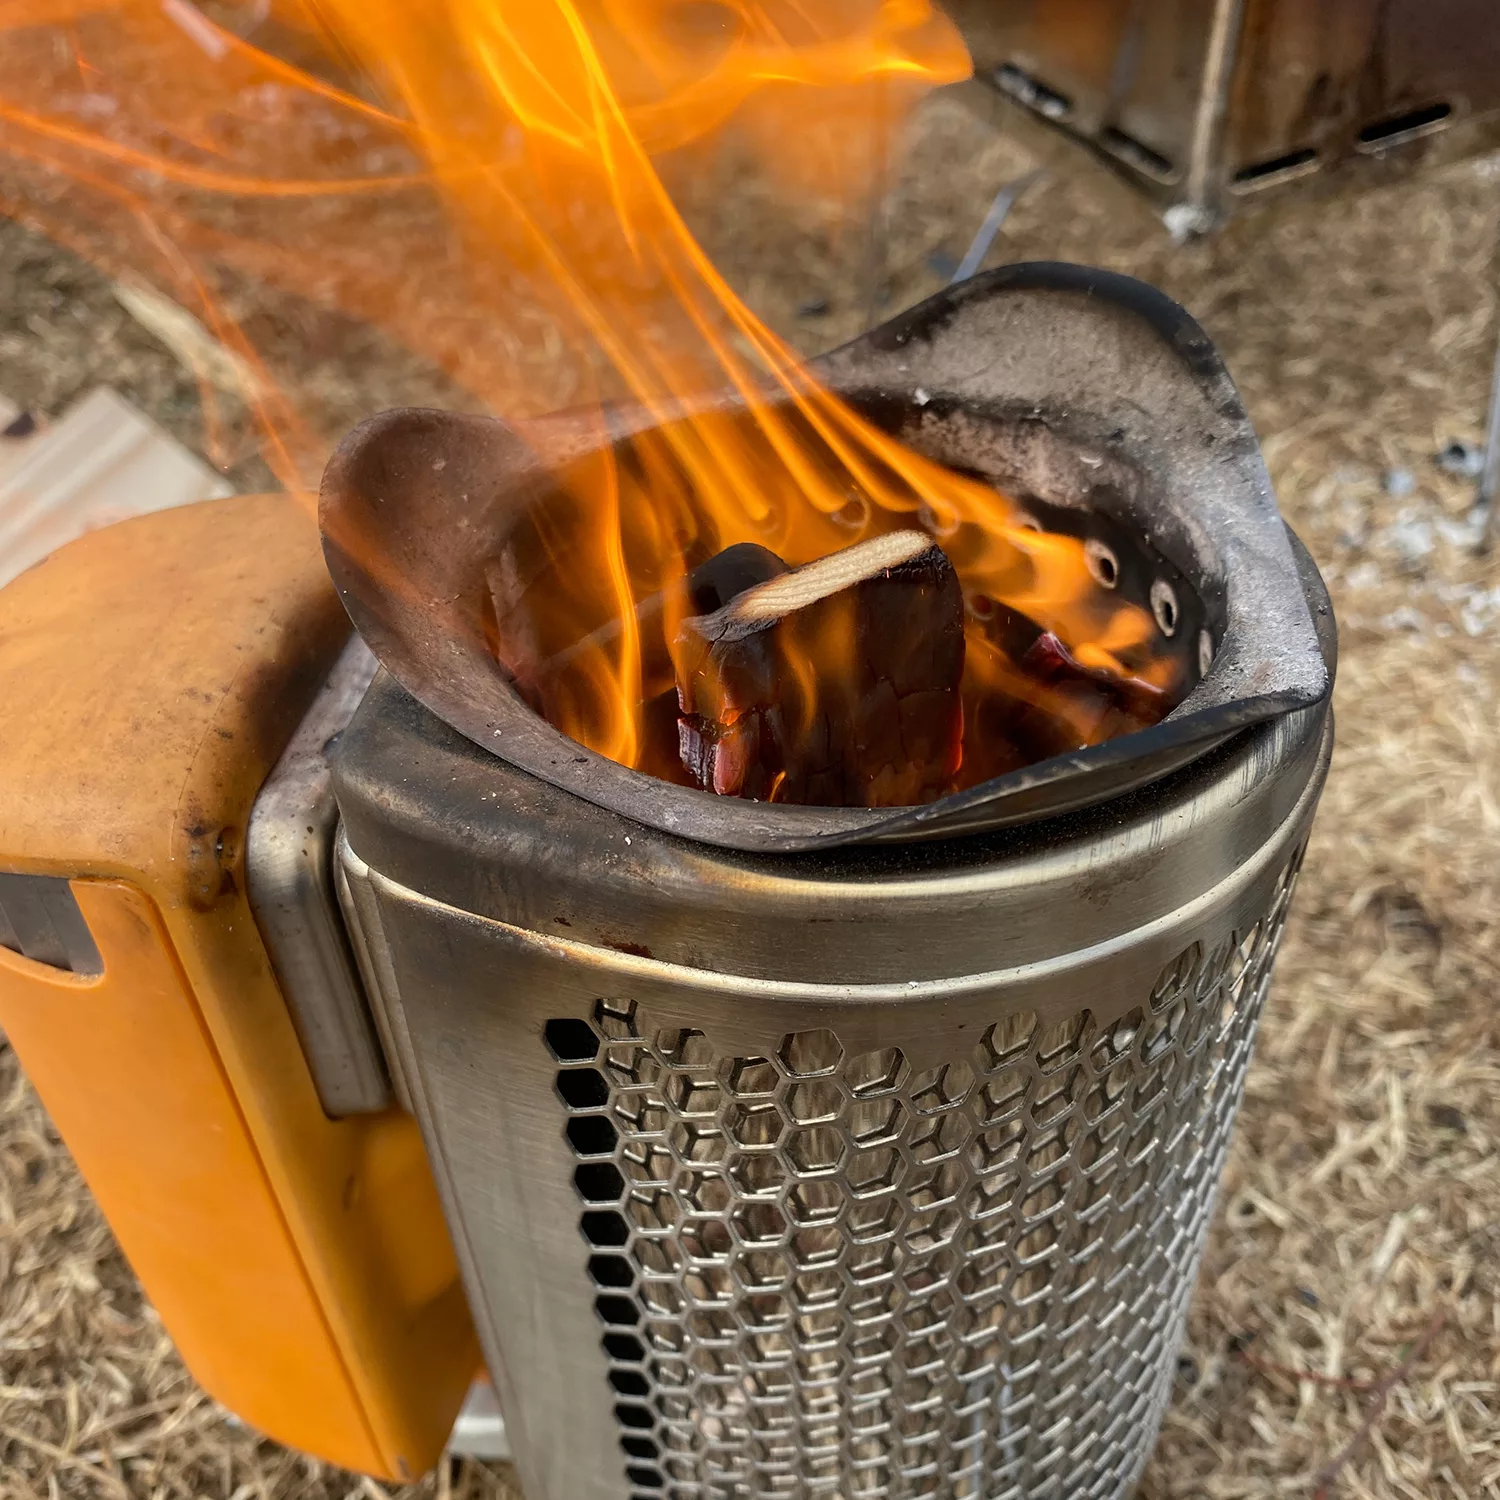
(477, 176)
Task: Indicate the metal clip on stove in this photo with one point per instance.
(785, 1151)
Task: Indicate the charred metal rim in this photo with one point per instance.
(1109, 368)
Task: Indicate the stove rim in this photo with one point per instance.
(1207, 717)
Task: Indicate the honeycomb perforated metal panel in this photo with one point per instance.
(883, 1174)
(826, 1274)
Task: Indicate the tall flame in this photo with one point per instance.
(470, 174)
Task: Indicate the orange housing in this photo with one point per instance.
(150, 675)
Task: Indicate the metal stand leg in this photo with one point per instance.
(1004, 201)
(480, 1429)
(1489, 479)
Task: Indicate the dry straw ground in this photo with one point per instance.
(1358, 1234)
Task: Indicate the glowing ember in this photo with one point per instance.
(480, 179)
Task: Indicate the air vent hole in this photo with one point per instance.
(583, 1089)
(600, 1182)
(592, 1135)
(1395, 129)
(623, 1347)
(1102, 562)
(572, 1041)
(610, 1270)
(1262, 174)
(605, 1229)
(620, 1311)
(1164, 606)
(1032, 92)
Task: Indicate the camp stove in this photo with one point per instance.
(784, 1150)
(843, 1152)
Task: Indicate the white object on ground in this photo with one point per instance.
(102, 461)
(189, 340)
(480, 1429)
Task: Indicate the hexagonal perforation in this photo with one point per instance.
(827, 1273)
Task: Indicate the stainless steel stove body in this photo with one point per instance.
(882, 1173)
(801, 1152)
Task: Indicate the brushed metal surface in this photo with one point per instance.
(367, 942)
(423, 805)
(289, 877)
(883, 1175)
(40, 920)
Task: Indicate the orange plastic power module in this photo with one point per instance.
(151, 675)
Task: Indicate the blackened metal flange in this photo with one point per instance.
(1087, 393)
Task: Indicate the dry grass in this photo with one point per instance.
(1362, 1200)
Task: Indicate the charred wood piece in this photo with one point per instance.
(1053, 703)
(836, 684)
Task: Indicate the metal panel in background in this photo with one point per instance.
(1209, 106)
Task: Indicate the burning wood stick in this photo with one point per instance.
(710, 586)
(547, 681)
(836, 684)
